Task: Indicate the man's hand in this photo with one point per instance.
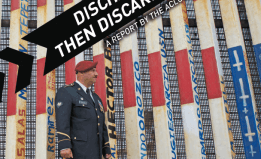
(66, 153)
(108, 156)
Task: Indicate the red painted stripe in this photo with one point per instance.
(15, 4)
(156, 79)
(70, 75)
(100, 87)
(211, 73)
(184, 79)
(11, 96)
(41, 88)
(41, 3)
(128, 79)
(67, 1)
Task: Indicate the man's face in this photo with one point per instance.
(89, 77)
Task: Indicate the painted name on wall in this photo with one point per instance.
(110, 102)
(167, 95)
(195, 93)
(142, 137)
(21, 132)
(50, 125)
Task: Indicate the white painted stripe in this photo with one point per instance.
(14, 30)
(50, 10)
(179, 35)
(220, 126)
(0, 14)
(77, 1)
(190, 125)
(79, 58)
(231, 23)
(129, 43)
(253, 9)
(152, 36)
(10, 136)
(162, 136)
(41, 136)
(98, 48)
(132, 137)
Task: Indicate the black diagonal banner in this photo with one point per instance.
(25, 63)
(83, 25)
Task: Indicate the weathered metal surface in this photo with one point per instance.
(110, 103)
(50, 120)
(160, 90)
(223, 138)
(104, 89)
(253, 9)
(134, 112)
(191, 114)
(241, 78)
(45, 94)
(16, 113)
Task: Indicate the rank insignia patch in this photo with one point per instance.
(101, 107)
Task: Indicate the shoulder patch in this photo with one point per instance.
(69, 85)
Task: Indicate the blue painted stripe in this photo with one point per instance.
(257, 49)
(244, 104)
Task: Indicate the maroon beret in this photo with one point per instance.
(84, 66)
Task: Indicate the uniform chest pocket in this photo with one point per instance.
(82, 111)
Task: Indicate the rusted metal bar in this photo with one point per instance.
(253, 9)
(160, 89)
(104, 88)
(189, 99)
(223, 137)
(16, 102)
(45, 92)
(133, 103)
(246, 103)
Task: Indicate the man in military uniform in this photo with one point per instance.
(80, 119)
